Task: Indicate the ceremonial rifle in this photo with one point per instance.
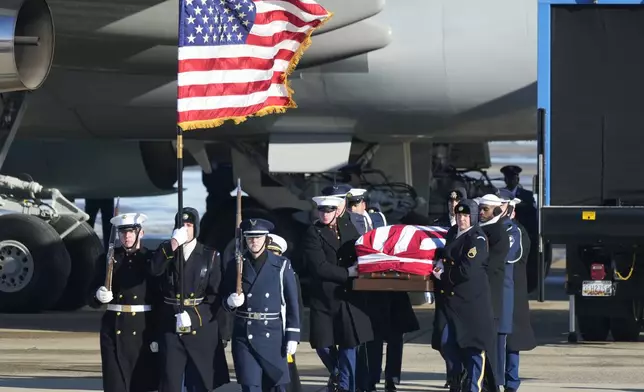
(238, 239)
(110, 250)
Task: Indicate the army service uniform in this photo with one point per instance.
(200, 354)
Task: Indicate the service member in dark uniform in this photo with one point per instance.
(526, 214)
(453, 198)
(514, 255)
(522, 336)
(339, 316)
(199, 354)
(128, 336)
(392, 315)
(492, 213)
(267, 316)
(279, 246)
(468, 323)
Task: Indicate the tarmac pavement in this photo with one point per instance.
(60, 352)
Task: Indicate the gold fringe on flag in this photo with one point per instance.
(204, 124)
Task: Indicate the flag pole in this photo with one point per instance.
(179, 222)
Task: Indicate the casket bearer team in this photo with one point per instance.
(452, 374)
(279, 246)
(492, 213)
(339, 319)
(358, 219)
(266, 328)
(522, 336)
(392, 316)
(198, 355)
(467, 308)
(128, 337)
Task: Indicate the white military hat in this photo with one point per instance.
(356, 193)
(129, 219)
(328, 201)
(489, 200)
(515, 201)
(277, 243)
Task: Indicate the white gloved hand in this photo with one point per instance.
(183, 320)
(438, 269)
(180, 235)
(429, 297)
(235, 300)
(104, 295)
(353, 271)
(154, 347)
(291, 347)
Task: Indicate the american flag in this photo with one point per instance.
(235, 55)
(402, 248)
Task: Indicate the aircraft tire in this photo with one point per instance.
(84, 248)
(33, 255)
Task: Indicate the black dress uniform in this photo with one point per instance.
(339, 317)
(199, 354)
(128, 333)
(522, 336)
(448, 220)
(469, 323)
(269, 318)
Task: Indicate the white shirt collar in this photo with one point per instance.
(459, 232)
(188, 248)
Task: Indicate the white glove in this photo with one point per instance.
(353, 271)
(291, 347)
(154, 347)
(104, 295)
(180, 235)
(438, 270)
(429, 297)
(235, 300)
(183, 320)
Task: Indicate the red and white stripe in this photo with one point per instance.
(401, 248)
(232, 81)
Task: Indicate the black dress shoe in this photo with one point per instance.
(390, 386)
(509, 389)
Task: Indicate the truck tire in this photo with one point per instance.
(34, 264)
(84, 248)
(593, 328)
(627, 329)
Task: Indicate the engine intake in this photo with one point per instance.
(26, 44)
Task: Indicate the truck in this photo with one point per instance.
(590, 88)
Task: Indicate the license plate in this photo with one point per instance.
(597, 288)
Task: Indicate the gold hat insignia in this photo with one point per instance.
(460, 208)
(471, 253)
(253, 222)
(186, 216)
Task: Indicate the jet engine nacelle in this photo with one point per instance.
(26, 44)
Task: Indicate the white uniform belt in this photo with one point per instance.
(257, 316)
(129, 308)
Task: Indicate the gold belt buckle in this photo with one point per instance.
(127, 308)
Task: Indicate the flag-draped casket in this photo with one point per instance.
(398, 257)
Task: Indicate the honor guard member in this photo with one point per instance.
(522, 336)
(454, 196)
(514, 255)
(468, 323)
(526, 214)
(279, 246)
(198, 355)
(359, 221)
(492, 212)
(339, 321)
(128, 336)
(266, 328)
(393, 315)
(358, 205)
